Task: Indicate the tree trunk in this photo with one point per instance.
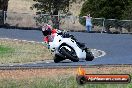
(55, 19)
(3, 7)
(1, 17)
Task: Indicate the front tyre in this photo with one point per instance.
(89, 55)
(69, 54)
(58, 58)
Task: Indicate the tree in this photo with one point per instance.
(52, 7)
(127, 14)
(108, 9)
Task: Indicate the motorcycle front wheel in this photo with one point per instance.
(58, 58)
(89, 55)
(69, 54)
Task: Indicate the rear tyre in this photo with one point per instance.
(58, 58)
(69, 54)
(89, 55)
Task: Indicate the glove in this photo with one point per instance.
(46, 44)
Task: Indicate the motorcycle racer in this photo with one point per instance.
(48, 33)
(64, 46)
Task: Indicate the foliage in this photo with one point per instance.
(108, 9)
(128, 12)
(52, 7)
(49, 6)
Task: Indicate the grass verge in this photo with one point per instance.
(12, 51)
(58, 83)
(5, 50)
(57, 78)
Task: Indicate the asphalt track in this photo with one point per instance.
(118, 47)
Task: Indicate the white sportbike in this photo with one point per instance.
(65, 46)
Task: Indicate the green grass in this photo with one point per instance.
(22, 52)
(61, 82)
(5, 50)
